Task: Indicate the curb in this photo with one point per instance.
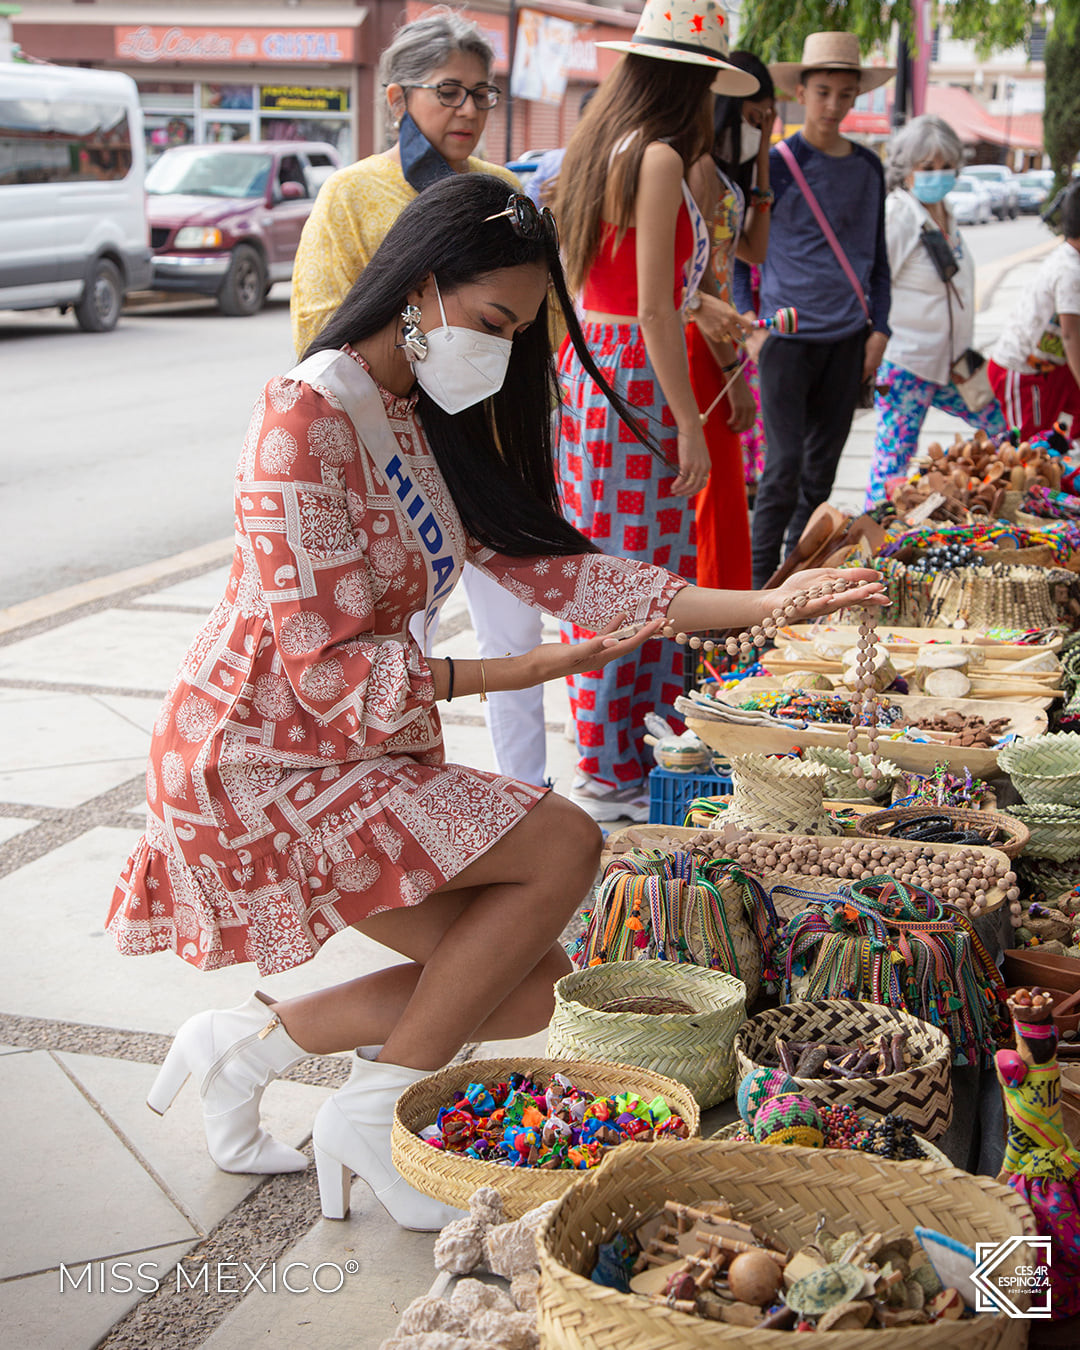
(100, 588)
(997, 270)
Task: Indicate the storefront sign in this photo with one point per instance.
(542, 56)
(298, 98)
(291, 46)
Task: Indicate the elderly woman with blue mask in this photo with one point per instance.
(933, 299)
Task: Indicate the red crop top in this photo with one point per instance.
(611, 283)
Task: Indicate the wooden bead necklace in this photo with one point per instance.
(864, 699)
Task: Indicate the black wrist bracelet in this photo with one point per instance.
(731, 365)
(450, 671)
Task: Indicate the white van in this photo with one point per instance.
(73, 228)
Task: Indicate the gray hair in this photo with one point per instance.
(427, 43)
(921, 139)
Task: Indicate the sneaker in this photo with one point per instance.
(609, 803)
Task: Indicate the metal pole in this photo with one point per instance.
(509, 94)
(1009, 90)
(902, 83)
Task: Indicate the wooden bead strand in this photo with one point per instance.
(864, 703)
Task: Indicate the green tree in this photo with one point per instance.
(775, 28)
(1061, 120)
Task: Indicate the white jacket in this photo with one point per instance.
(919, 315)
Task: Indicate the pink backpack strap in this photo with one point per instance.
(826, 229)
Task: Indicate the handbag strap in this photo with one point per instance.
(826, 229)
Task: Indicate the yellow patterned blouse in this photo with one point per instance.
(352, 215)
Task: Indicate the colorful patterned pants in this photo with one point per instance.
(900, 415)
(619, 495)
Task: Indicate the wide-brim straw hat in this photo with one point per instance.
(829, 51)
(693, 32)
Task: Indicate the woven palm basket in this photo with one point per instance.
(932, 1152)
(922, 1092)
(694, 1046)
(452, 1179)
(1054, 831)
(840, 784)
(1010, 838)
(778, 794)
(1045, 769)
(786, 1191)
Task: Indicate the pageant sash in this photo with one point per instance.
(359, 396)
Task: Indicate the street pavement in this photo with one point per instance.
(88, 1176)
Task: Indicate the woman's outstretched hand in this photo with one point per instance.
(870, 593)
(556, 660)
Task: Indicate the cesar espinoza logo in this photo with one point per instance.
(994, 1286)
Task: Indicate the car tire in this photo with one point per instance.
(244, 288)
(102, 298)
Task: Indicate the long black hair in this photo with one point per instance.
(727, 118)
(497, 457)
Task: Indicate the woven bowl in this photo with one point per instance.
(922, 1092)
(840, 784)
(881, 824)
(1045, 769)
(1054, 831)
(932, 1152)
(786, 1191)
(453, 1179)
(695, 1046)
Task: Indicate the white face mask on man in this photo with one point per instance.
(462, 366)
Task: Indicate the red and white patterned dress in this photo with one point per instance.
(297, 781)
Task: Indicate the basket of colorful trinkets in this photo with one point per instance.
(529, 1127)
(678, 1020)
(643, 1251)
(903, 1065)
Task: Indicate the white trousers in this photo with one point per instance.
(515, 718)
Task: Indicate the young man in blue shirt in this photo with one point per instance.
(809, 381)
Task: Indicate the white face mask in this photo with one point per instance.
(462, 366)
(749, 141)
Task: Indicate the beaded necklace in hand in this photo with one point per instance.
(864, 696)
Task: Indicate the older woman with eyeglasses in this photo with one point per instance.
(437, 74)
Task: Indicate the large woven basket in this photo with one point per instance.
(695, 1047)
(1045, 768)
(1054, 830)
(452, 1179)
(932, 1152)
(1012, 831)
(840, 784)
(786, 1191)
(922, 1092)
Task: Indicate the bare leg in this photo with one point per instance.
(484, 948)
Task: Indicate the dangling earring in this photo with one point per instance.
(413, 338)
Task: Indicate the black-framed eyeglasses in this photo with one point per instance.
(528, 220)
(452, 94)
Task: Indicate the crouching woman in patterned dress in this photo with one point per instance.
(297, 782)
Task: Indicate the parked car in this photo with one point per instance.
(1001, 181)
(73, 229)
(225, 220)
(1033, 189)
(970, 202)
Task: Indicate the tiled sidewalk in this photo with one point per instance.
(87, 1173)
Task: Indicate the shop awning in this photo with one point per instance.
(972, 122)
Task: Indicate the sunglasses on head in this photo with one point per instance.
(528, 221)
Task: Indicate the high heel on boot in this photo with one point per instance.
(352, 1134)
(234, 1054)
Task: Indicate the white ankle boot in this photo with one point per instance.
(234, 1053)
(352, 1134)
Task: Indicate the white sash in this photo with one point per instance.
(694, 271)
(358, 395)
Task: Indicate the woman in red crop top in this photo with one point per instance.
(636, 248)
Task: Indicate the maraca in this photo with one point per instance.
(785, 320)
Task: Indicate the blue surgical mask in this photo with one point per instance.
(931, 185)
(421, 163)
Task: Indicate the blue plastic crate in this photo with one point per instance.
(670, 794)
